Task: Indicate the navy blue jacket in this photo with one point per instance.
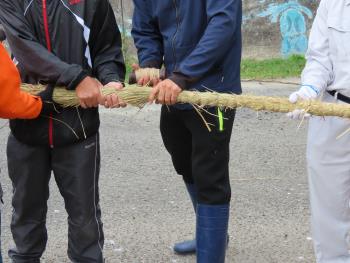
(198, 41)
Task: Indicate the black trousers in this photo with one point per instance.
(76, 171)
(200, 156)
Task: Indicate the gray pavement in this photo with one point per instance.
(145, 207)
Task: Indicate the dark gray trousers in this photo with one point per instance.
(76, 170)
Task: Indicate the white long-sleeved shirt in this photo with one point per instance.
(328, 55)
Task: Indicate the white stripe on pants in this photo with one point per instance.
(329, 182)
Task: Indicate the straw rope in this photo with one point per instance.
(138, 97)
(152, 73)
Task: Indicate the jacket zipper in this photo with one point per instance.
(49, 48)
(177, 29)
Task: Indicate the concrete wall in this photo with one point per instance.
(271, 28)
(277, 28)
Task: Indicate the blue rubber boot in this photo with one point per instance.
(188, 247)
(212, 226)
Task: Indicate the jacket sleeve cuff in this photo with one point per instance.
(82, 75)
(181, 80)
(111, 79)
(151, 64)
(312, 87)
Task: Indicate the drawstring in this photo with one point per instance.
(81, 122)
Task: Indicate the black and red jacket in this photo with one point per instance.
(61, 42)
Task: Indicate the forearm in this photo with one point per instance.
(25, 106)
(43, 65)
(13, 102)
(113, 69)
(106, 46)
(316, 74)
(147, 37)
(319, 68)
(223, 22)
(33, 57)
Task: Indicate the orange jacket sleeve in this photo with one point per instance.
(15, 104)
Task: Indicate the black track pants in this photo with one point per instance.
(76, 171)
(200, 156)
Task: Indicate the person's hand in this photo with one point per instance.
(166, 92)
(113, 101)
(145, 80)
(304, 93)
(89, 93)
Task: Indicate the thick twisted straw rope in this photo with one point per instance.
(138, 96)
(152, 73)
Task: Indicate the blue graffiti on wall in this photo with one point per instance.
(293, 27)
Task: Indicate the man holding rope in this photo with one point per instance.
(77, 45)
(328, 155)
(199, 43)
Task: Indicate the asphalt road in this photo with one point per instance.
(145, 206)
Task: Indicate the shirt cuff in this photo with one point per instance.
(82, 75)
(312, 87)
(111, 79)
